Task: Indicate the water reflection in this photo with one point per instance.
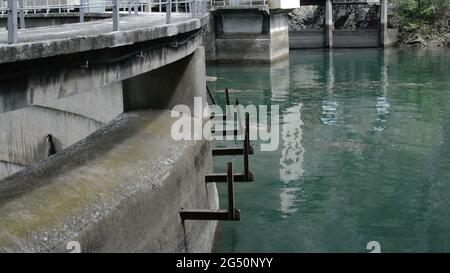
(291, 160)
(329, 106)
(382, 104)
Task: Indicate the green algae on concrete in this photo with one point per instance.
(86, 192)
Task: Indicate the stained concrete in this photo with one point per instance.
(119, 190)
(50, 107)
(360, 38)
(306, 39)
(249, 34)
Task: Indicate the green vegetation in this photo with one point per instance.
(426, 17)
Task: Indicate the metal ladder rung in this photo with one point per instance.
(231, 151)
(221, 215)
(234, 132)
(222, 177)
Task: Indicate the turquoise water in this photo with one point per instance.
(364, 153)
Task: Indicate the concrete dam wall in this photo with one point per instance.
(118, 179)
(119, 190)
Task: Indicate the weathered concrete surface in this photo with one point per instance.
(246, 34)
(74, 38)
(71, 104)
(119, 190)
(356, 38)
(24, 130)
(173, 84)
(33, 20)
(392, 37)
(306, 39)
(341, 38)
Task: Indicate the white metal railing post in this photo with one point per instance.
(12, 21)
(81, 11)
(169, 11)
(115, 15)
(194, 8)
(135, 7)
(21, 14)
(160, 5)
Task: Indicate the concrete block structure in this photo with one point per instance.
(249, 33)
(118, 179)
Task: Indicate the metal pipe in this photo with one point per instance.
(115, 15)
(135, 7)
(12, 22)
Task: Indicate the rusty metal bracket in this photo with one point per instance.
(246, 176)
(232, 214)
(210, 95)
(237, 151)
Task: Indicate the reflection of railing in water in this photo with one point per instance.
(23, 7)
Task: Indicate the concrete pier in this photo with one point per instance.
(248, 34)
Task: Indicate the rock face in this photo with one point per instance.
(345, 17)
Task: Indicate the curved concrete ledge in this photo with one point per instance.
(80, 37)
(119, 190)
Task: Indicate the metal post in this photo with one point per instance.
(194, 7)
(168, 11)
(231, 210)
(247, 147)
(328, 24)
(383, 22)
(12, 21)
(135, 7)
(176, 5)
(160, 6)
(81, 11)
(21, 14)
(115, 15)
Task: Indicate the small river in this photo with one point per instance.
(364, 152)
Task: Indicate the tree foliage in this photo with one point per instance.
(417, 14)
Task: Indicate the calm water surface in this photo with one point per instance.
(364, 153)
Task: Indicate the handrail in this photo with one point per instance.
(22, 7)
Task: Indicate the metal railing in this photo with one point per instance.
(223, 3)
(128, 7)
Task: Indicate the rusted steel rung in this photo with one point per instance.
(222, 177)
(232, 214)
(234, 132)
(220, 215)
(230, 151)
(237, 151)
